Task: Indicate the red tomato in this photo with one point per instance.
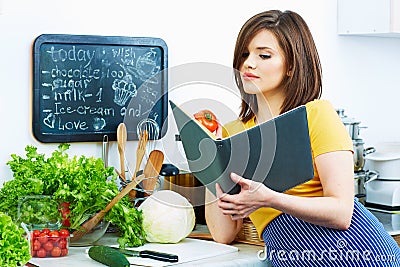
(208, 119)
(41, 253)
(65, 205)
(48, 246)
(64, 233)
(64, 252)
(65, 214)
(62, 243)
(43, 238)
(56, 252)
(36, 245)
(35, 233)
(54, 233)
(45, 231)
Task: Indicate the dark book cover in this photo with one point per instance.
(276, 152)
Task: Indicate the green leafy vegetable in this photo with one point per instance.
(38, 210)
(83, 182)
(14, 248)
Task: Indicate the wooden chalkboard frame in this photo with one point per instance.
(94, 40)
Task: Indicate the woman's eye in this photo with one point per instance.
(265, 56)
(245, 55)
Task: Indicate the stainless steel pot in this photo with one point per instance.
(352, 126)
(386, 160)
(361, 178)
(360, 153)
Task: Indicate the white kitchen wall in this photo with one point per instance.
(361, 74)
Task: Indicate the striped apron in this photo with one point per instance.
(293, 242)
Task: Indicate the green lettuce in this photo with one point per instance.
(82, 181)
(14, 247)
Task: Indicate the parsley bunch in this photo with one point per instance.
(82, 181)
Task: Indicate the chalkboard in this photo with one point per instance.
(85, 85)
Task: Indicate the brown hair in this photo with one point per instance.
(300, 53)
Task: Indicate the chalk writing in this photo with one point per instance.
(89, 88)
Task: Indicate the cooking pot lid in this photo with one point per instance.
(383, 156)
(347, 120)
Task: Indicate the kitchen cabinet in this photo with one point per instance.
(378, 18)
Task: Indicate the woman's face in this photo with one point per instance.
(264, 66)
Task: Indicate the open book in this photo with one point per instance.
(276, 152)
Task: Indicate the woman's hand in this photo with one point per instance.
(253, 195)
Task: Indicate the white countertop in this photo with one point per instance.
(236, 255)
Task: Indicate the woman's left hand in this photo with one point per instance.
(253, 195)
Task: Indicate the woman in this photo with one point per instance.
(318, 223)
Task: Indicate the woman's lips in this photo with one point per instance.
(249, 76)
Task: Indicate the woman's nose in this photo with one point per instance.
(249, 62)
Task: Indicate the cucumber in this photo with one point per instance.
(108, 256)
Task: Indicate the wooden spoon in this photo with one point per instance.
(152, 170)
(121, 139)
(90, 224)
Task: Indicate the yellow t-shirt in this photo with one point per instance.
(327, 134)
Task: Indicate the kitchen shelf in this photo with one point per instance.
(376, 18)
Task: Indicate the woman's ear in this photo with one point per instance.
(289, 72)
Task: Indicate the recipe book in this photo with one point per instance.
(276, 153)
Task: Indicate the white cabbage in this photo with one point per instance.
(168, 217)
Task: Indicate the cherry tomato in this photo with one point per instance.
(43, 238)
(208, 119)
(64, 233)
(36, 233)
(56, 252)
(54, 233)
(62, 243)
(64, 252)
(36, 245)
(48, 246)
(45, 231)
(41, 253)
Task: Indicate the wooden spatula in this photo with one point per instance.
(121, 139)
(90, 224)
(140, 151)
(152, 170)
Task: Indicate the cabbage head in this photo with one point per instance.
(168, 217)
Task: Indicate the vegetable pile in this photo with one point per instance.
(82, 186)
(14, 248)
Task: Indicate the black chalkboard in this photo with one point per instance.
(85, 85)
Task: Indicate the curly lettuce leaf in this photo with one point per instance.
(82, 181)
(14, 248)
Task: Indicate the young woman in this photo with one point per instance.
(318, 223)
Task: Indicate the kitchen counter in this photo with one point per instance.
(246, 255)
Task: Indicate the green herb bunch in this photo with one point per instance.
(83, 182)
(14, 248)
